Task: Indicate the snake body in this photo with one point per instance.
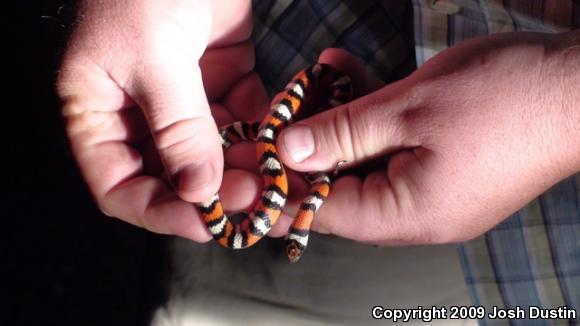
(319, 85)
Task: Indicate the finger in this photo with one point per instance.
(362, 79)
(149, 203)
(221, 115)
(347, 128)
(93, 107)
(280, 229)
(357, 131)
(383, 208)
(240, 190)
(114, 172)
(182, 126)
(243, 156)
(402, 204)
(247, 100)
(224, 67)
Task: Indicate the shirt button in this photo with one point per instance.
(447, 7)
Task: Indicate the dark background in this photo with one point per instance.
(63, 263)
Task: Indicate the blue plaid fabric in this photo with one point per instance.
(290, 35)
(533, 257)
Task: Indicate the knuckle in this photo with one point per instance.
(90, 127)
(177, 142)
(361, 129)
(146, 223)
(174, 133)
(105, 207)
(105, 211)
(345, 132)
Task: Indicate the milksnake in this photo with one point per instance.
(319, 85)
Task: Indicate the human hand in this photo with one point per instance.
(474, 134)
(141, 82)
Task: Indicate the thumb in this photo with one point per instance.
(354, 132)
(186, 137)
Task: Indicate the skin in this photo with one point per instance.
(473, 135)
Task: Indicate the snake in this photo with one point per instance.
(312, 90)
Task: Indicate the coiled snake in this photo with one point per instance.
(319, 85)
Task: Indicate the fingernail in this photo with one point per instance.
(195, 176)
(299, 143)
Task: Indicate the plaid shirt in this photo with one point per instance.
(533, 257)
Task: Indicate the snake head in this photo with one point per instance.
(293, 251)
